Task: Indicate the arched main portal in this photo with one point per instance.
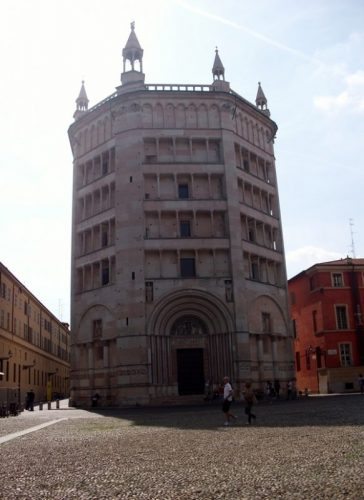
(191, 341)
(190, 360)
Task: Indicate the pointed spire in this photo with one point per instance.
(218, 69)
(132, 50)
(81, 102)
(261, 101)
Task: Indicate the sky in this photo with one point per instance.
(307, 54)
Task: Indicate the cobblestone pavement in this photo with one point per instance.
(307, 449)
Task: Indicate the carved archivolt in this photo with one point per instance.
(190, 311)
(187, 326)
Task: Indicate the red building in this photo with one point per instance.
(327, 304)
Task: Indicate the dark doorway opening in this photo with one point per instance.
(190, 371)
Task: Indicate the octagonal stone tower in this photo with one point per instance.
(178, 269)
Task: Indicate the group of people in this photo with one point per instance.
(249, 398)
(272, 390)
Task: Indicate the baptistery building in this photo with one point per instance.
(178, 268)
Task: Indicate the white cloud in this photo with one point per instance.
(302, 258)
(350, 99)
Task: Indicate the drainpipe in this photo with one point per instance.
(355, 294)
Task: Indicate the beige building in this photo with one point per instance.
(178, 269)
(34, 345)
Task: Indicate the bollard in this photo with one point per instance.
(49, 405)
(57, 404)
(40, 406)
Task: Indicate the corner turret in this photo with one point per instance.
(261, 101)
(218, 72)
(132, 52)
(81, 102)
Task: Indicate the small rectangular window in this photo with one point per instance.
(183, 191)
(341, 318)
(255, 271)
(188, 269)
(185, 228)
(337, 280)
(345, 355)
(105, 273)
(266, 323)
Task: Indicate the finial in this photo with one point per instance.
(132, 51)
(261, 101)
(218, 70)
(81, 101)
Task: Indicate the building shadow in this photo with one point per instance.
(326, 411)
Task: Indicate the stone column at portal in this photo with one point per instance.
(260, 355)
(106, 354)
(274, 341)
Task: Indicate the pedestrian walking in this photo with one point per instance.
(95, 400)
(208, 391)
(277, 388)
(250, 401)
(361, 383)
(30, 402)
(228, 398)
(289, 389)
(269, 390)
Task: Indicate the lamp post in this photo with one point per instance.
(24, 367)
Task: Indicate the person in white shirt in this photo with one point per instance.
(228, 397)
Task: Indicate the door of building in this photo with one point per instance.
(190, 371)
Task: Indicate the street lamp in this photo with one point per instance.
(24, 367)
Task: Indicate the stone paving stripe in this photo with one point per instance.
(14, 435)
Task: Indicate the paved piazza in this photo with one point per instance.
(307, 449)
